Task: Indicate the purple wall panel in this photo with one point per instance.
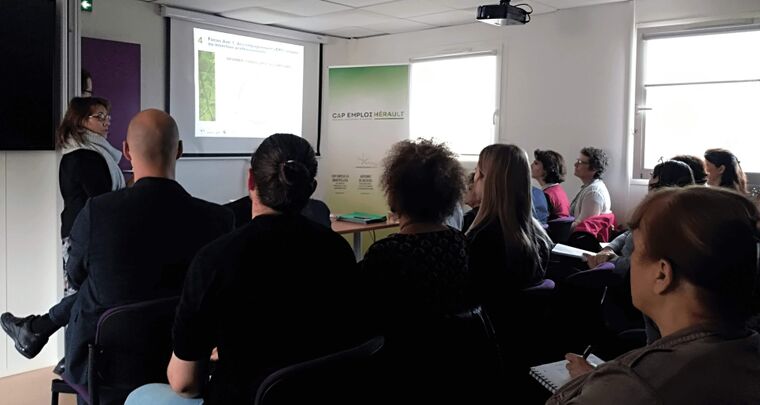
(115, 69)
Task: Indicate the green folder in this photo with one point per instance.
(362, 218)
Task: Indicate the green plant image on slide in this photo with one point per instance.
(206, 86)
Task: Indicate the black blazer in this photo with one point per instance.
(133, 245)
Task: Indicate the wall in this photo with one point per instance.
(566, 77)
(650, 11)
(563, 79)
(29, 240)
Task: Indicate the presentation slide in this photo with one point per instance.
(246, 87)
(230, 88)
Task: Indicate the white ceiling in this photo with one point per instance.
(360, 18)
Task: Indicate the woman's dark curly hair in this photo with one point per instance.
(597, 160)
(554, 165)
(422, 180)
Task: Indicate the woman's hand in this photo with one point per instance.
(577, 365)
(604, 256)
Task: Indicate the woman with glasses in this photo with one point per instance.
(723, 170)
(593, 198)
(90, 165)
(671, 173)
(695, 272)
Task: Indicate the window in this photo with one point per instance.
(454, 100)
(697, 90)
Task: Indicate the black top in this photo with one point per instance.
(82, 174)
(315, 210)
(132, 245)
(288, 280)
(497, 269)
(469, 218)
(418, 276)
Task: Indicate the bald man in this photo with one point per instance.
(127, 246)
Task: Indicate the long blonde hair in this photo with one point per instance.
(507, 198)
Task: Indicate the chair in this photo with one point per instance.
(560, 229)
(132, 347)
(616, 315)
(337, 378)
(454, 359)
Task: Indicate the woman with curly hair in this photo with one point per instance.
(593, 198)
(419, 290)
(422, 269)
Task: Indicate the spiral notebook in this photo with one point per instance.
(555, 375)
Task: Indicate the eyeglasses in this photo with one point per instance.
(101, 116)
(580, 162)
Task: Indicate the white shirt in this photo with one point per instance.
(593, 199)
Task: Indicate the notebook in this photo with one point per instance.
(362, 218)
(554, 375)
(564, 250)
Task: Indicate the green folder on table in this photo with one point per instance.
(362, 218)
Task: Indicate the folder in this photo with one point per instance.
(362, 218)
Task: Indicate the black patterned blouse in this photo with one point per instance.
(418, 275)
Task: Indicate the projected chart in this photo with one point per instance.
(246, 87)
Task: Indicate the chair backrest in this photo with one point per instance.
(560, 229)
(337, 378)
(133, 345)
(545, 287)
(451, 359)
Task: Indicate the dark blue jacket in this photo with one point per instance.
(133, 245)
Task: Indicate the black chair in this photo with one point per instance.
(560, 229)
(618, 321)
(450, 360)
(133, 345)
(339, 378)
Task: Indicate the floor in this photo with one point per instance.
(32, 388)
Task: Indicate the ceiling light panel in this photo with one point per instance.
(408, 8)
(454, 17)
(259, 15)
(306, 8)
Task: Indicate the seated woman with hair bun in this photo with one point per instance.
(274, 292)
(695, 273)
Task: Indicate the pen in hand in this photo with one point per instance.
(586, 352)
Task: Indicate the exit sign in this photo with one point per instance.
(86, 5)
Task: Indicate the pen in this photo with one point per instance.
(586, 352)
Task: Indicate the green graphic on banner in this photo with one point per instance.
(368, 111)
(387, 83)
(206, 86)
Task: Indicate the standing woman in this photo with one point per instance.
(723, 170)
(509, 249)
(89, 166)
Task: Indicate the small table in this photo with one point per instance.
(357, 229)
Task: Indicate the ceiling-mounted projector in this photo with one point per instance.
(504, 14)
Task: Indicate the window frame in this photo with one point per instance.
(646, 32)
(467, 158)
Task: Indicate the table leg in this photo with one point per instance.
(358, 245)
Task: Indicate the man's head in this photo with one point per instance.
(153, 144)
